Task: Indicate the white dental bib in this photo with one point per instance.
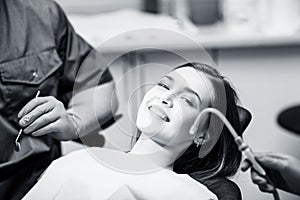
(80, 175)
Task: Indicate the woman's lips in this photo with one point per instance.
(159, 112)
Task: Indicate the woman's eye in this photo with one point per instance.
(187, 100)
(163, 85)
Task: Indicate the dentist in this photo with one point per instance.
(40, 51)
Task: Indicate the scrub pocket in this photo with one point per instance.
(23, 77)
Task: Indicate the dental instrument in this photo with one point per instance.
(17, 143)
(242, 146)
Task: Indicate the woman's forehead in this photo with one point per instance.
(192, 78)
(188, 76)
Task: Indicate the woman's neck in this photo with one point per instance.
(163, 156)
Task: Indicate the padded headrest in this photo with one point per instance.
(289, 119)
(245, 118)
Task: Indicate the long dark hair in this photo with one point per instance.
(224, 159)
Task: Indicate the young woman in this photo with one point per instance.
(165, 153)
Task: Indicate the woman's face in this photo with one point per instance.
(169, 109)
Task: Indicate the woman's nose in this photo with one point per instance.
(168, 103)
(167, 100)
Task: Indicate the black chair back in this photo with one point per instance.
(245, 118)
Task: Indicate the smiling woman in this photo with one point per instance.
(165, 153)
(170, 107)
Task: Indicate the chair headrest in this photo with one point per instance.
(289, 119)
(245, 118)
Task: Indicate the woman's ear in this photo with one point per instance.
(207, 143)
(203, 124)
(199, 140)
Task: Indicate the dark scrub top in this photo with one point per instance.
(39, 50)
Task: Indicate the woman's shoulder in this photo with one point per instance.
(166, 184)
(195, 189)
(87, 155)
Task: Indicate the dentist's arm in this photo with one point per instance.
(93, 107)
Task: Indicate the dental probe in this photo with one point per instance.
(243, 147)
(17, 143)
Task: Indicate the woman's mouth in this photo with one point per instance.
(159, 112)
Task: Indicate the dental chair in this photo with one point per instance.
(224, 188)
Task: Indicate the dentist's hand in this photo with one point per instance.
(283, 170)
(47, 115)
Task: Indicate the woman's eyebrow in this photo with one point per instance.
(168, 77)
(193, 92)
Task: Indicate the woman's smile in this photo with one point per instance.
(159, 112)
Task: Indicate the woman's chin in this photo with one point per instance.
(149, 124)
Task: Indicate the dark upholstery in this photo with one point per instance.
(224, 189)
(245, 118)
(289, 119)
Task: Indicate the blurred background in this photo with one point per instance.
(255, 43)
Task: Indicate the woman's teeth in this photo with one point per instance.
(159, 113)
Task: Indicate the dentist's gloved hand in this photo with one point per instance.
(47, 115)
(84, 115)
(283, 170)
